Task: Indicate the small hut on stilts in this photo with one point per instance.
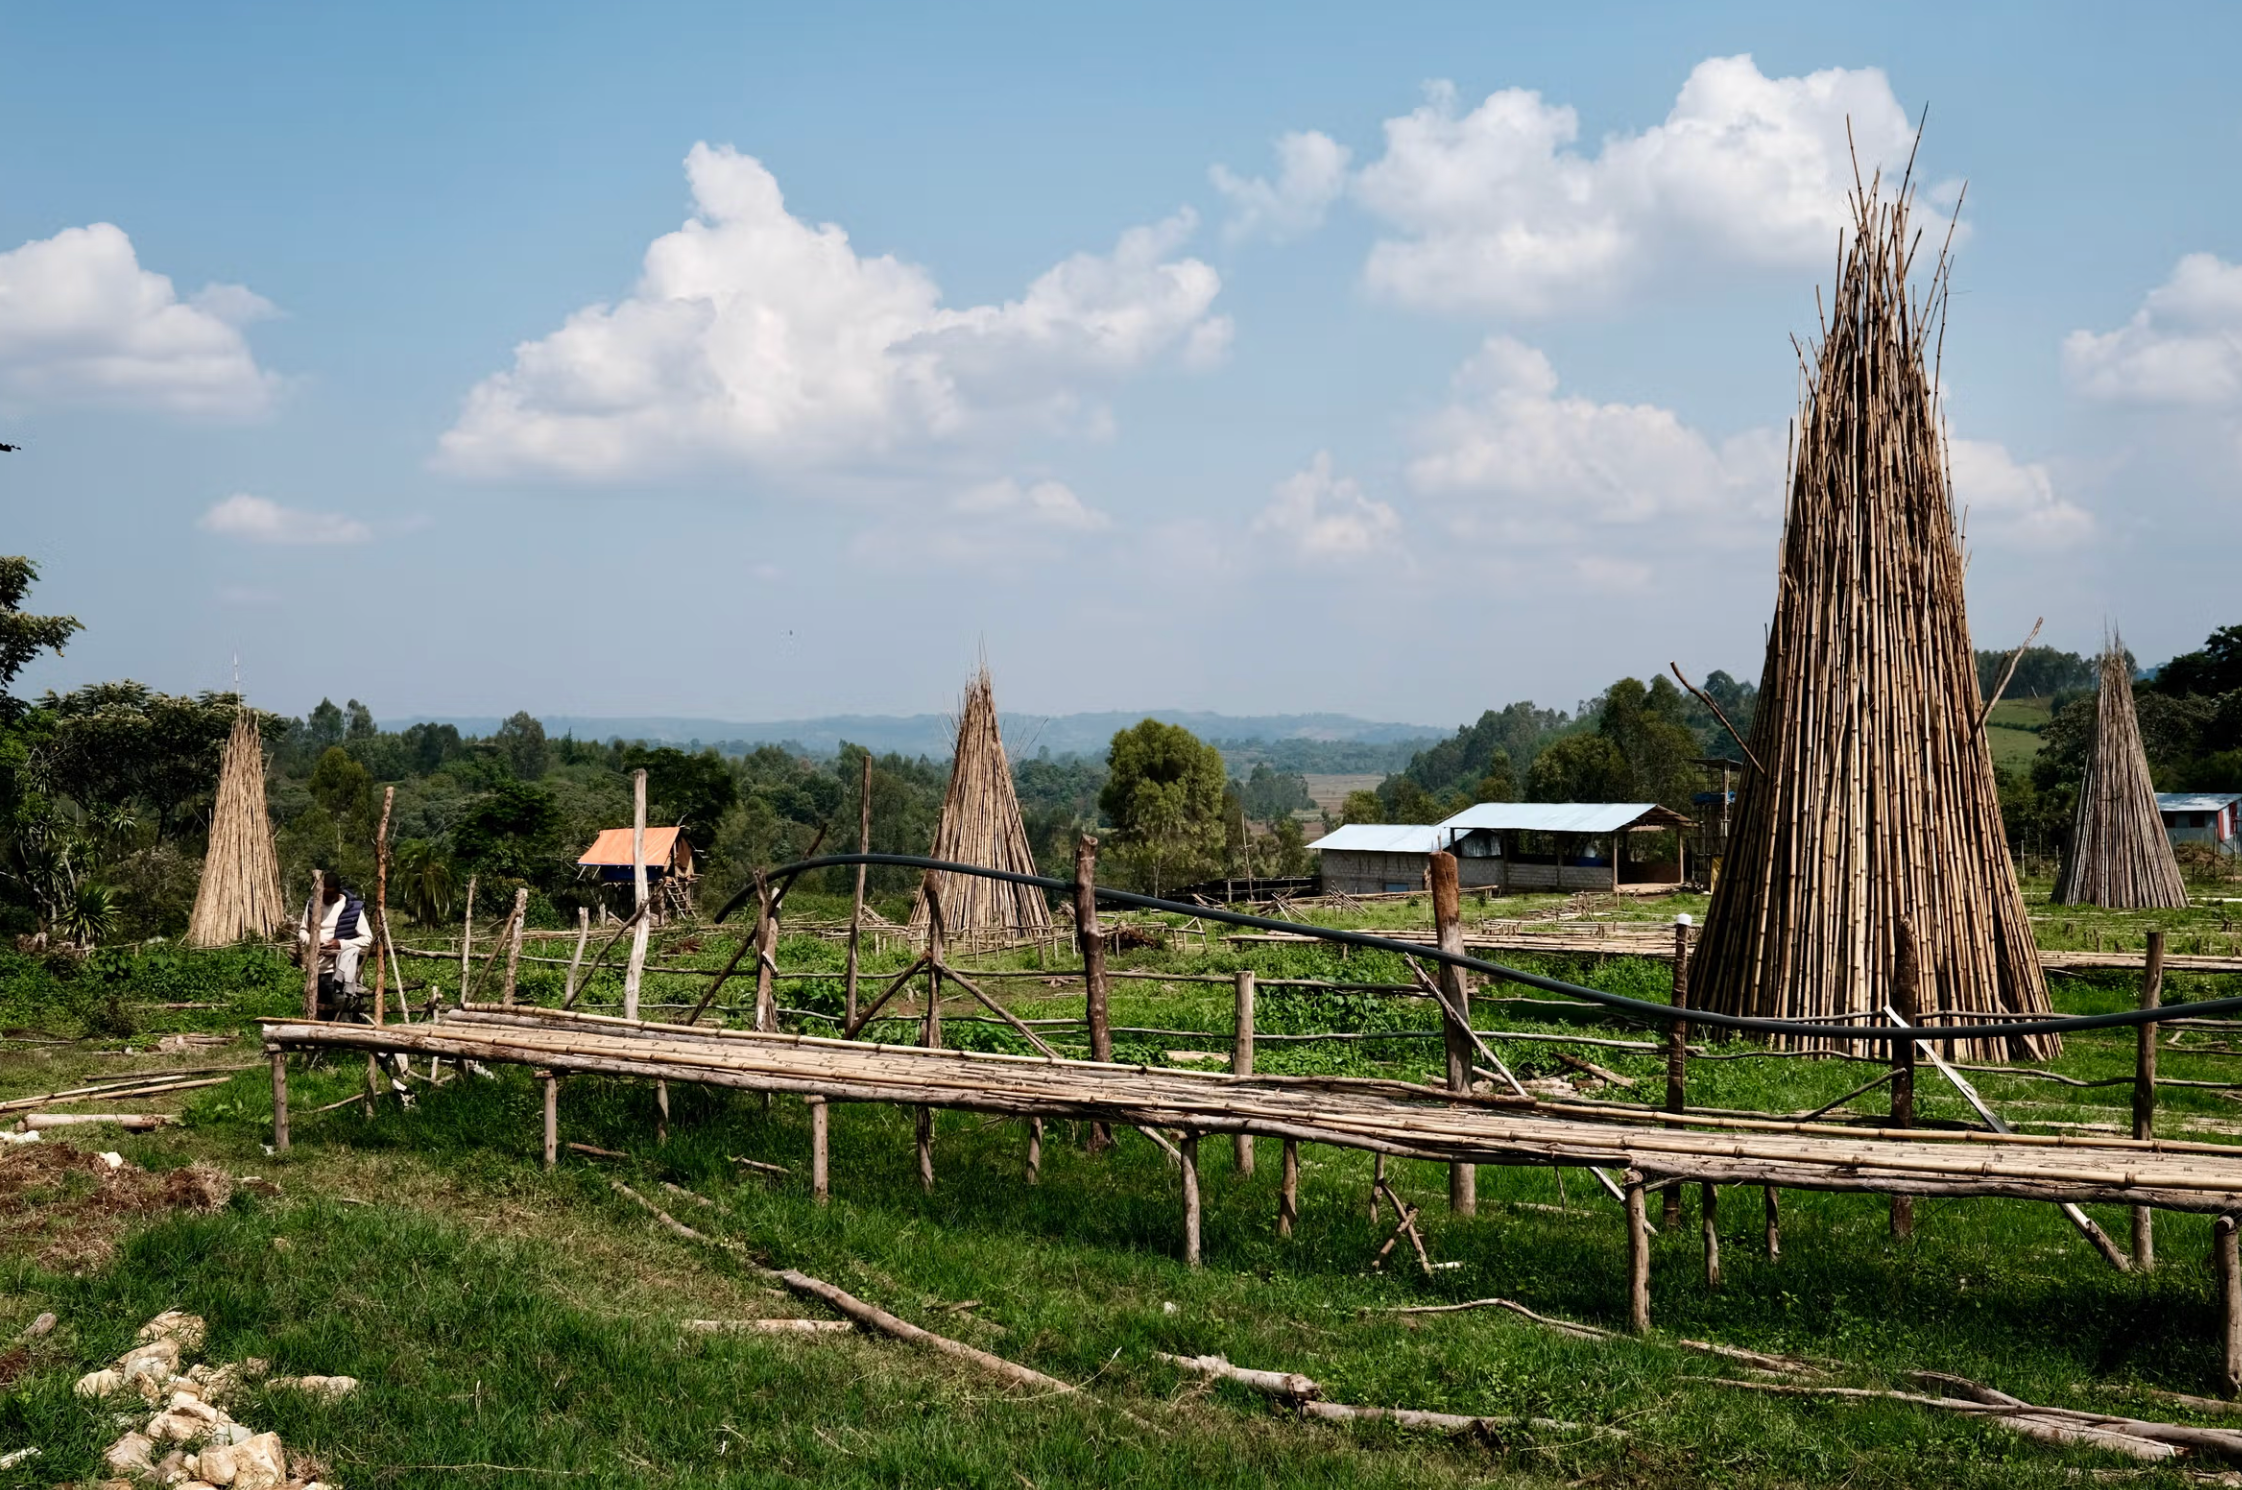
(981, 824)
(2120, 855)
(239, 896)
(1868, 821)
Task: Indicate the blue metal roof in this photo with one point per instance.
(2195, 801)
(1382, 838)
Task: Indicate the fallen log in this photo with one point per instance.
(2129, 1436)
(767, 1326)
(669, 1220)
(1306, 1394)
(131, 1122)
(902, 1329)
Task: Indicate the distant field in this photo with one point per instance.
(2012, 730)
(1330, 792)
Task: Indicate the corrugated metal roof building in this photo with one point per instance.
(2214, 818)
(1508, 845)
(667, 853)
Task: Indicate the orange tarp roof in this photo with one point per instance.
(613, 847)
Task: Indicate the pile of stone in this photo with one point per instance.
(192, 1442)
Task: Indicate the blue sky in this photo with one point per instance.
(765, 363)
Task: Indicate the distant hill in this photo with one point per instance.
(931, 734)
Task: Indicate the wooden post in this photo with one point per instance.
(661, 1112)
(1190, 1149)
(1288, 1187)
(313, 920)
(279, 1102)
(552, 1118)
(583, 934)
(1774, 1223)
(821, 1188)
(1708, 1197)
(381, 905)
(1241, 1059)
(1906, 997)
(467, 939)
(1677, 1055)
(514, 926)
(930, 1029)
(766, 958)
(1035, 1151)
(1093, 967)
(1448, 930)
(2228, 1265)
(637, 966)
(856, 906)
(2144, 1093)
(1377, 1183)
(1638, 1255)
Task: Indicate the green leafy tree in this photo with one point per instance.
(694, 790)
(23, 637)
(520, 742)
(344, 791)
(2215, 670)
(1362, 806)
(1648, 728)
(1269, 794)
(1413, 804)
(1581, 768)
(511, 832)
(1163, 795)
(120, 745)
(1288, 849)
(1500, 784)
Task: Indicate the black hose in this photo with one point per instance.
(1642, 1009)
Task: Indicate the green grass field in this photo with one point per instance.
(2013, 730)
(518, 1327)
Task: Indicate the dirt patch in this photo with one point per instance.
(65, 1208)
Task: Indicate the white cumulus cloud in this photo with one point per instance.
(1317, 514)
(2014, 503)
(1311, 175)
(262, 520)
(82, 323)
(1495, 210)
(2182, 347)
(1044, 504)
(1512, 455)
(755, 338)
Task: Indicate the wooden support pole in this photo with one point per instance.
(1190, 1149)
(636, 968)
(552, 1118)
(1708, 1197)
(821, 1125)
(2144, 1092)
(1092, 942)
(381, 904)
(1638, 1255)
(1288, 1187)
(575, 963)
(314, 919)
(1774, 1207)
(661, 1111)
(279, 1102)
(856, 906)
(930, 1028)
(514, 927)
(766, 957)
(467, 939)
(1241, 1059)
(1035, 1151)
(1677, 1056)
(1907, 1000)
(924, 1129)
(2226, 1261)
(1455, 1014)
(1377, 1183)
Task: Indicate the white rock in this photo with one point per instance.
(327, 1388)
(9, 1461)
(260, 1464)
(186, 1420)
(216, 1464)
(187, 1330)
(100, 1383)
(30, 1137)
(129, 1454)
(114, 1161)
(157, 1358)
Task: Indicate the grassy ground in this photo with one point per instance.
(2013, 730)
(526, 1325)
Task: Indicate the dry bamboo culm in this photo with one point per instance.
(981, 824)
(1876, 804)
(239, 896)
(2120, 855)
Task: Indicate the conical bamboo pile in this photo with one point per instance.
(240, 892)
(981, 825)
(1871, 805)
(2120, 855)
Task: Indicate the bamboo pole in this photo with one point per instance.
(930, 1027)
(981, 824)
(821, 1119)
(2120, 854)
(576, 962)
(2144, 1092)
(637, 965)
(2228, 1265)
(552, 1118)
(1190, 1150)
(314, 922)
(467, 939)
(856, 904)
(381, 903)
(1092, 943)
(280, 1102)
(1677, 1056)
(1638, 1255)
(1772, 1202)
(514, 943)
(1708, 1197)
(1455, 1022)
(766, 959)
(1906, 998)
(1241, 1058)
(1035, 1151)
(1288, 1186)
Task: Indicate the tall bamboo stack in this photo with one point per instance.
(1870, 799)
(981, 824)
(2120, 855)
(239, 896)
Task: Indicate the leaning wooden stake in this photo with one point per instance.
(1092, 942)
(381, 904)
(930, 1028)
(1708, 1197)
(636, 968)
(2226, 1261)
(2144, 1092)
(280, 1102)
(821, 1188)
(1288, 1187)
(514, 927)
(1455, 1022)
(1035, 1151)
(1190, 1148)
(552, 1118)
(856, 905)
(1906, 998)
(576, 963)
(766, 957)
(1677, 1056)
(313, 922)
(1638, 1255)
(467, 940)
(1241, 1058)
(1774, 1208)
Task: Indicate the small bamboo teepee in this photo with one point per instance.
(1869, 813)
(981, 825)
(240, 892)
(2119, 856)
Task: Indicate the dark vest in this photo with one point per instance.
(346, 924)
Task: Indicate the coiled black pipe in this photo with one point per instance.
(1642, 1009)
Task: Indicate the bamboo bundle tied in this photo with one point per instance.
(1871, 806)
(239, 896)
(981, 824)
(2120, 855)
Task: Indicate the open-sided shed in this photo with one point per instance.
(1564, 845)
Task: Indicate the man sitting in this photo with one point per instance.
(345, 934)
